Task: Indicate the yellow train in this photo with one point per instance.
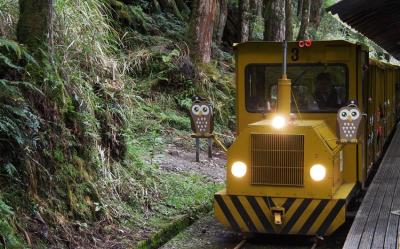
(286, 172)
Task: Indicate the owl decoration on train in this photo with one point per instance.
(348, 122)
(201, 113)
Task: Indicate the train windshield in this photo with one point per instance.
(315, 88)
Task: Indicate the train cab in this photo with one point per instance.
(287, 172)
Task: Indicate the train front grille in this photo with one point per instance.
(277, 159)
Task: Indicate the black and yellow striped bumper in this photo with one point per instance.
(301, 216)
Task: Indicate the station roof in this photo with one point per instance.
(379, 20)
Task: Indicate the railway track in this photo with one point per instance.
(241, 244)
(207, 233)
(317, 242)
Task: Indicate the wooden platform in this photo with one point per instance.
(376, 224)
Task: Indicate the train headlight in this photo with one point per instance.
(278, 122)
(318, 172)
(239, 169)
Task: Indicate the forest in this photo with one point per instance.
(95, 94)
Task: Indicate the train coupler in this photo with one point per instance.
(278, 213)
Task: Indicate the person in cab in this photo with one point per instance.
(325, 93)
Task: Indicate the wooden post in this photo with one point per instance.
(197, 149)
(209, 147)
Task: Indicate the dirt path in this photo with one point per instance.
(179, 160)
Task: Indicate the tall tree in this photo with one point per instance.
(289, 20)
(201, 29)
(305, 18)
(171, 6)
(244, 9)
(256, 8)
(274, 20)
(315, 13)
(221, 16)
(299, 7)
(182, 6)
(231, 32)
(34, 27)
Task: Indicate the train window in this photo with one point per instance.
(315, 88)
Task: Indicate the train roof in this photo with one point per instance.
(372, 61)
(382, 64)
(337, 42)
(378, 20)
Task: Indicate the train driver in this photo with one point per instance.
(325, 93)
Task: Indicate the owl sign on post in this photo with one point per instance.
(201, 114)
(348, 122)
(202, 119)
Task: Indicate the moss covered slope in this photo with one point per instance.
(77, 125)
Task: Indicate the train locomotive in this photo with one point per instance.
(288, 172)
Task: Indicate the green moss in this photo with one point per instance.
(58, 155)
(7, 230)
(125, 17)
(88, 119)
(118, 5)
(172, 228)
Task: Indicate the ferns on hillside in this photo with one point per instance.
(17, 123)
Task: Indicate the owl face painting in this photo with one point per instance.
(202, 117)
(348, 122)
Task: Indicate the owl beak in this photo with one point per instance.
(200, 113)
(350, 119)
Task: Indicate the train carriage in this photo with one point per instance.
(287, 171)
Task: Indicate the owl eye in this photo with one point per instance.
(205, 109)
(196, 109)
(355, 113)
(344, 114)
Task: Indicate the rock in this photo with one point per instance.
(173, 153)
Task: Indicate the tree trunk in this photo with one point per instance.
(305, 16)
(201, 29)
(156, 6)
(182, 6)
(256, 7)
(299, 7)
(170, 5)
(231, 34)
(244, 9)
(289, 20)
(220, 20)
(34, 27)
(274, 20)
(315, 13)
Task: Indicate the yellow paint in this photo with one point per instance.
(346, 165)
(316, 151)
(344, 191)
(284, 95)
(287, 219)
(267, 212)
(303, 218)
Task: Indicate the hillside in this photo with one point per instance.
(95, 147)
(77, 131)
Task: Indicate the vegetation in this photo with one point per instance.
(85, 108)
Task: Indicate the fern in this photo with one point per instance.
(13, 47)
(6, 229)
(18, 124)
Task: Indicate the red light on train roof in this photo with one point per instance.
(305, 43)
